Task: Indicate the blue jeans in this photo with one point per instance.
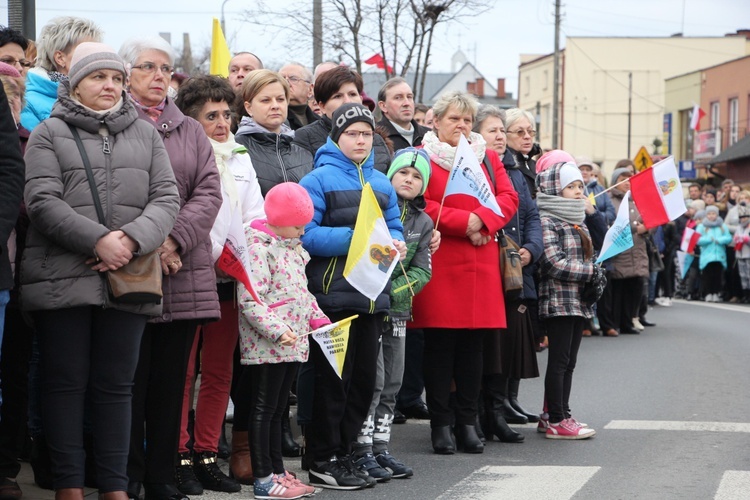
(4, 299)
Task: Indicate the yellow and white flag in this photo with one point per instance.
(333, 340)
(220, 55)
(372, 256)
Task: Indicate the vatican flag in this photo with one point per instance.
(333, 340)
(220, 55)
(372, 256)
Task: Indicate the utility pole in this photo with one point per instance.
(630, 108)
(556, 80)
(317, 32)
(223, 26)
(538, 119)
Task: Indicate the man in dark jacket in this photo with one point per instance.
(300, 82)
(396, 102)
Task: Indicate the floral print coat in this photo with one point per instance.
(278, 278)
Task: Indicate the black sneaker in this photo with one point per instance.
(184, 476)
(396, 468)
(367, 463)
(335, 475)
(367, 478)
(211, 477)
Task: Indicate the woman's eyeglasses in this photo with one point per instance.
(522, 132)
(151, 68)
(25, 63)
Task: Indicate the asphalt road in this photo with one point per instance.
(671, 410)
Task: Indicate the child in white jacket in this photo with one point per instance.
(742, 249)
(270, 331)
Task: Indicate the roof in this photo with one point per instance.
(373, 80)
(737, 151)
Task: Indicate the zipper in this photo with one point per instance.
(281, 161)
(105, 145)
(108, 169)
(328, 275)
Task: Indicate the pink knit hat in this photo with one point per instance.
(92, 56)
(551, 157)
(288, 204)
(8, 70)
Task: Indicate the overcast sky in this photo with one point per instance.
(493, 41)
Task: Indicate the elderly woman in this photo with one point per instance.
(464, 300)
(190, 297)
(520, 130)
(55, 45)
(265, 134)
(511, 356)
(89, 342)
(208, 99)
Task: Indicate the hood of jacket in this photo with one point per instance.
(249, 126)
(264, 233)
(74, 113)
(37, 81)
(548, 182)
(330, 154)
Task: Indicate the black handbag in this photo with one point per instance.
(139, 281)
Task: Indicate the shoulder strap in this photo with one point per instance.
(488, 166)
(89, 175)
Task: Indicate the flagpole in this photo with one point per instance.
(613, 186)
(403, 269)
(332, 327)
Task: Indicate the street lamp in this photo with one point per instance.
(223, 27)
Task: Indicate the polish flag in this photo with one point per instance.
(657, 193)
(378, 61)
(689, 239)
(695, 118)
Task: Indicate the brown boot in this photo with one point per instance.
(240, 467)
(69, 494)
(113, 495)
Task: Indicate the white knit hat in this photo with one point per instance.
(92, 56)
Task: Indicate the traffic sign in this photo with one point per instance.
(642, 160)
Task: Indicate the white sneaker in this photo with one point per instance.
(667, 302)
(663, 301)
(637, 325)
(717, 298)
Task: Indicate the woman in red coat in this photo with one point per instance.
(459, 306)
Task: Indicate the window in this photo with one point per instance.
(545, 80)
(715, 118)
(734, 118)
(527, 82)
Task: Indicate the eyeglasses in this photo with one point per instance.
(151, 68)
(25, 63)
(521, 132)
(353, 134)
(295, 80)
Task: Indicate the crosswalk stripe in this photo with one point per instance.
(734, 484)
(521, 483)
(668, 425)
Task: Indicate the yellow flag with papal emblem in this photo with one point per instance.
(372, 256)
(333, 340)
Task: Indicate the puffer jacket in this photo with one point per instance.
(335, 186)
(278, 278)
(191, 293)
(137, 191)
(418, 262)
(313, 136)
(563, 266)
(40, 96)
(633, 262)
(275, 157)
(713, 243)
(525, 228)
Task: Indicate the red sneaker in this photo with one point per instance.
(568, 429)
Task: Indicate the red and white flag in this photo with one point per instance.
(235, 259)
(657, 193)
(695, 117)
(689, 239)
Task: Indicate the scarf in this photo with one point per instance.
(153, 112)
(223, 151)
(443, 153)
(57, 77)
(569, 210)
(712, 223)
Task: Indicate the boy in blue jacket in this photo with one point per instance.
(343, 165)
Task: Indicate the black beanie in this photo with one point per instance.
(347, 114)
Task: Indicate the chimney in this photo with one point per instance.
(471, 87)
(480, 88)
(501, 88)
(741, 32)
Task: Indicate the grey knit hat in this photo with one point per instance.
(618, 172)
(712, 208)
(92, 56)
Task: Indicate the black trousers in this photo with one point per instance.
(453, 355)
(14, 367)
(412, 385)
(626, 300)
(157, 400)
(270, 384)
(88, 351)
(341, 405)
(564, 334)
(711, 277)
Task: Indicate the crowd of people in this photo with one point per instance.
(128, 162)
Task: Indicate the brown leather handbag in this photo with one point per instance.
(138, 281)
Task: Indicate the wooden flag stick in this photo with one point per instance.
(328, 327)
(613, 186)
(403, 269)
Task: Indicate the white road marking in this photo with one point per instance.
(714, 305)
(521, 483)
(734, 484)
(667, 425)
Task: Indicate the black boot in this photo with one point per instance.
(467, 439)
(498, 388)
(495, 423)
(289, 447)
(211, 476)
(513, 384)
(442, 442)
(479, 423)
